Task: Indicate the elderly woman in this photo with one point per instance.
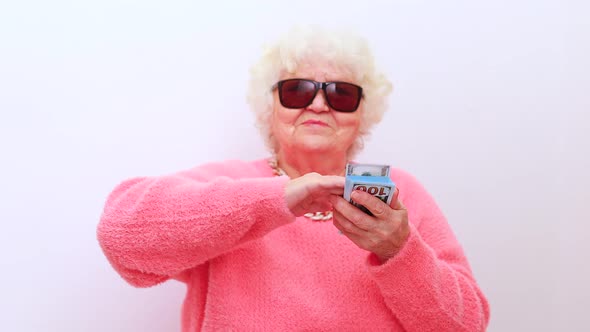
(271, 244)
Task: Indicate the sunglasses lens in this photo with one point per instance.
(343, 97)
(296, 93)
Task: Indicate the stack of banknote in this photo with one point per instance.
(370, 178)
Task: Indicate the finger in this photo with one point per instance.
(332, 181)
(378, 208)
(344, 225)
(400, 205)
(352, 214)
(394, 199)
(396, 203)
(359, 239)
(325, 193)
(330, 184)
(337, 191)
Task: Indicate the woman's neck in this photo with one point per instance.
(298, 164)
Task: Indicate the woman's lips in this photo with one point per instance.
(315, 122)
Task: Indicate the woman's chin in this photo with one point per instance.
(316, 145)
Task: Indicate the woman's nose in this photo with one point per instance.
(319, 103)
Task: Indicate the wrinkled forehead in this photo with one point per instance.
(322, 71)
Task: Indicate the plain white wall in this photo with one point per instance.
(490, 112)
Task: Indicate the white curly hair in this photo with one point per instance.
(298, 46)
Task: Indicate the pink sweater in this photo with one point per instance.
(225, 230)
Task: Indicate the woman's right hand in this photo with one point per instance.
(311, 192)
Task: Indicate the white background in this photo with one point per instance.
(490, 111)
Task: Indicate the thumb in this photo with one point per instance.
(396, 204)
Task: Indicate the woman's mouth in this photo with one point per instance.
(315, 122)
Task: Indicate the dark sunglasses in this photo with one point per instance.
(300, 93)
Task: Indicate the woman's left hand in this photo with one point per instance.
(384, 233)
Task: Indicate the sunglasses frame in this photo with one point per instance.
(318, 86)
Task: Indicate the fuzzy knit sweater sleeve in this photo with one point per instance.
(429, 284)
(155, 228)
